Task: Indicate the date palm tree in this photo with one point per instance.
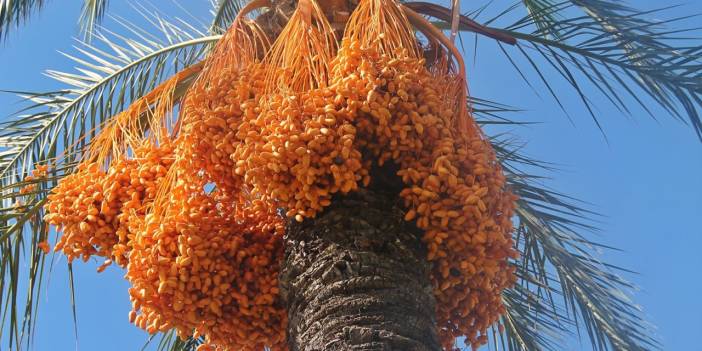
(600, 48)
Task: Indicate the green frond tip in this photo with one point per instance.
(545, 15)
(91, 15)
(169, 341)
(53, 128)
(14, 13)
(224, 12)
(562, 289)
(617, 50)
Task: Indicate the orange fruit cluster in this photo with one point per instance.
(300, 151)
(194, 220)
(95, 208)
(382, 103)
(212, 114)
(454, 186)
(302, 148)
(206, 260)
(208, 265)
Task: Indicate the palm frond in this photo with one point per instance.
(545, 14)
(105, 84)
(111, 72)
(531, 323)
(614, 49)
(224, 12)
(169, 341)
(562, 288)
(14, 13)
(91, 15)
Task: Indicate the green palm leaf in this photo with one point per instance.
(169, 341)
(545, 14)
(54, 126)
(224, 12)
(562, 288)
(613, 49)
(13, 13)
(92, 13)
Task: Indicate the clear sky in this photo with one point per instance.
(645, 180)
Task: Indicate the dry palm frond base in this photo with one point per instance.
(191, 208)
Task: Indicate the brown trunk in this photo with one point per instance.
(356, 278)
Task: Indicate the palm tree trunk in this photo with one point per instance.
(356, 278)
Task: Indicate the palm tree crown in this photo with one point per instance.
(595, 46)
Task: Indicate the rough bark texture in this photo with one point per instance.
(357, 278)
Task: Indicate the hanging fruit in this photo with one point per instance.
(191, 209)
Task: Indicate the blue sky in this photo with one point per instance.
(644, 180)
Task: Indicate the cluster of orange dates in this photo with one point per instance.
(95, 209)
(454, 188)
(193, 217)
(209, 265)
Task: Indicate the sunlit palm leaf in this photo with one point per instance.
(224, 13)
(91, 15)
(169, 341)
(530, 322)
(562, 287)
(610, 14)
(622, 54)
(615, 50)
(106, 83)
(544, 14)
(54, 126)
(15, 12)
